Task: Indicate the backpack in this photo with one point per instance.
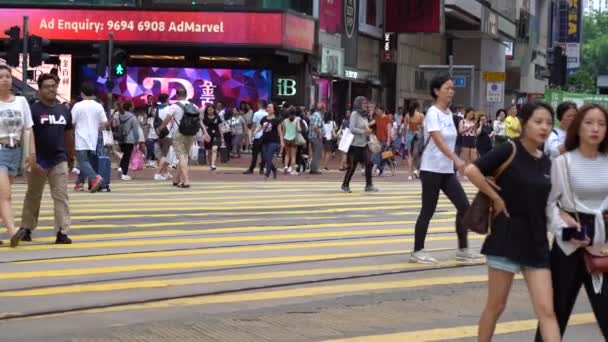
(159, 122)
(122, 133)
(191, 121)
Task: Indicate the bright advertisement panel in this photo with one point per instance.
(229, 86)
(226, 28)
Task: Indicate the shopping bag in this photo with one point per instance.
(194, 152)
(171, 157)
(374, 144)
(346, 140)
(108, 138)
(137, 160)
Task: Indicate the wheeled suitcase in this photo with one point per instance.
(224, 154)
(102, 164)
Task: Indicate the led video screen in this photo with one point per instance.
(229, 86)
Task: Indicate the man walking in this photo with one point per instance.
(87, 116)
(316, 138)
(257, 139)
(53, 132)
(164, 137)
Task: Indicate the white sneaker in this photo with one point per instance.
(466, 255)
(167, 176)
(75, 171)
(126, 177)
(422, 257)
(289, 170)
(159, 177)
(119, 170)
(409, 177)
(294, 173)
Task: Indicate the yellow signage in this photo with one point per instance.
(493, 76)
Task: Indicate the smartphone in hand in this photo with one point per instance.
(572, 233)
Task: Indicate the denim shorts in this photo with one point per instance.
(507, 265)
(10, 160)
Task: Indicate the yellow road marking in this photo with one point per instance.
(257, 229)
(219, 239)
(459, 332)
(225, 250)
(148, 284)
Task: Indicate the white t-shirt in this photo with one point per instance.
(14, 117)
(163, 113)
(327, 129)
(257, 117)
(178, 114)
(87, 117)
(433, 160)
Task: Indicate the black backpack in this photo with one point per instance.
(191, 121)
(159, 122)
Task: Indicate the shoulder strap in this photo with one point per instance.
(568, 180)
(508, 162)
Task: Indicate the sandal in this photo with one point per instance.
(184, 186)
(176, 184)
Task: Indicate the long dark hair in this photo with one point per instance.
(411, 110)
(207, 108)
(573, 140)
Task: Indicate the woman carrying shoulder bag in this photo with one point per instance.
(518, 238)
(576, 210)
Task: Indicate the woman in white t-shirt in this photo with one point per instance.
(438, 172)
(17, 148)
(329, 136)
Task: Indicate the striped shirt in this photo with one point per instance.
(589, 178)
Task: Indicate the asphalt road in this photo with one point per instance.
(248, 260)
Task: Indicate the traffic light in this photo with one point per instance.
(13, 46)
(119, 63)
(558, 65)
(36, 52)
(102, 57)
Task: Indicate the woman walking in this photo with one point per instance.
(129, 137)
(468, 131)
(518, 239)
(17, 151)
(500, 130)
(577, 209)
(329, 136)
(414, 124)
(272, 139)
(291, 128)
(358, 151)
(212, 122)
(485, 133)
(437, 172)
(238, 125)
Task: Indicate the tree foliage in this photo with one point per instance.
(582, 82)
(594, 51)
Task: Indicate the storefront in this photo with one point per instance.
(217, 56)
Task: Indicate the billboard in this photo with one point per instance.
(229, 86)
(411, 16)
(226, 28)
(330, 15)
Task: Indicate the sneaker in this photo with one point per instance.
(409, 177)
(62, 239)
(422, 257)
(213, 168)
(126, 177)
(96, 183)
(159, 177)
(119, 170)
(345, 189)
(27, 236)
(248, 172)
(371, 188)
(79, 187)
(294, 173)
(466, 255)
(167, 176)
(17, 237)
(289, 170)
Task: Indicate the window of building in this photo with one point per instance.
(371, 17)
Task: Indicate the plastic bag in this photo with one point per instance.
(137, 160)
(194, 152)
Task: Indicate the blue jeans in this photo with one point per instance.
(150, 149)
(84, 164)
(377, 157)
(268, 152)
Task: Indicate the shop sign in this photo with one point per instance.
(350, 17)
(356, 74)
(287, 87)
(254, 28)
(332, 61)
(63, 70)
(491, 76)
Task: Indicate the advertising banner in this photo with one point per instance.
(410, 16)
(204, 86)
(555, 97)
(330, 15)
(232, 28)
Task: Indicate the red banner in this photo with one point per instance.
(330, 15)
(409, 16)
(172, 27)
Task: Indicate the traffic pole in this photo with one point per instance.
(24, 61)
(110, 81)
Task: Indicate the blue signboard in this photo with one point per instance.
(460, 81)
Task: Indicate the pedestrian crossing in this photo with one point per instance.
(147, 246)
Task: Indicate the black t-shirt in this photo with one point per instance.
(525, 185)
(270, 130)
(50, 124)
(213, 125)
(484, 142)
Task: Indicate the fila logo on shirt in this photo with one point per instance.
(52, 120)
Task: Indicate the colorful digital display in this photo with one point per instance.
(229, 86)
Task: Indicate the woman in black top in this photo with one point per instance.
(485, 133)
(518, 239)
(212, 122)
(272, 138)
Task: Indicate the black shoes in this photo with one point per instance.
(28, 235)
(62, 239)
(346, 189)
(18, 237)
(248, 172)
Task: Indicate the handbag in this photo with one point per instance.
(346, 140)
(387, 155)
(374, 144)
(593, 263)
(479, 217)
(108, 138)
(136, 163)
